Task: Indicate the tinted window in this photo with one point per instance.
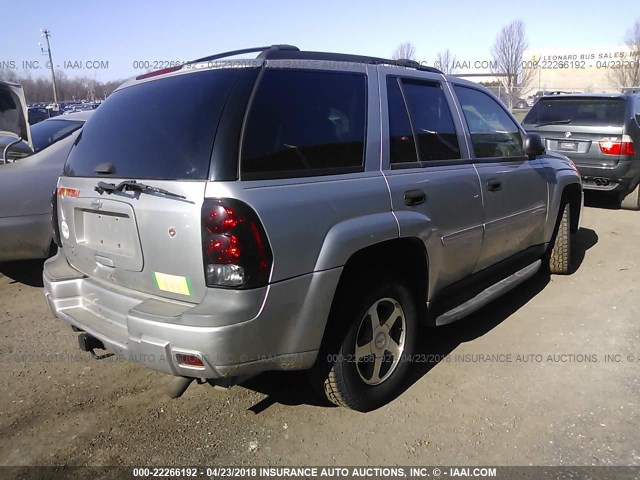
(493, 132)
(162, 129)
(402, 143)
(305, 123)
(431, 120)
(49, 132)
(577, 111)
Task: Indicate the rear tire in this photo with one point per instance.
(369, 342)
(631, 200)
(558, 258)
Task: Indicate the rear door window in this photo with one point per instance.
(431, 119)
(305, 123)
(401, 139)
(493, 132)
(577, 111)
(159, 129)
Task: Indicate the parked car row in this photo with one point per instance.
(42, 111)
(220, 222)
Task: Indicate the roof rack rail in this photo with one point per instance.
(284, 51)
(233, 53)
(217, 56)
(282, 54)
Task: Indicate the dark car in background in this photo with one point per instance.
(600, 133)
(544, 93)
(37, 115)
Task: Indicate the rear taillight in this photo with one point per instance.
(625, 147)
(235, 247)
(54, 219)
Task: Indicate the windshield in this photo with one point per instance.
(577, 111)
(160, 129)
(47, 133)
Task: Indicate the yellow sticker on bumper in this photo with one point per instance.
(172, 283)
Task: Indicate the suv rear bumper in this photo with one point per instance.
(281, 330)
(621, 177)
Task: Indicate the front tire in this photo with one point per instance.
(558, 259)
(364, 367)
(631, 200)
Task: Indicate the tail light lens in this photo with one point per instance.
(625, 147)
(235, 248)
(54, 219)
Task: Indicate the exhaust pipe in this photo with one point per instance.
(601, 182)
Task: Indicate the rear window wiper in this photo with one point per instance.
(132, 185)
(554, 122)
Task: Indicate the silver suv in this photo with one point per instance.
(300, 210)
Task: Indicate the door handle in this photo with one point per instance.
(494, 184)
(414, 197)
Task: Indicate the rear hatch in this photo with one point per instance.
(579, 127)
(13, 114)
(156, 136)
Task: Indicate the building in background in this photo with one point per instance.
(590, 69)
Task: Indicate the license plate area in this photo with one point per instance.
(107, 236)
(568, 146)
(108, 232)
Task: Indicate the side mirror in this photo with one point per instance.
(533, 145)
(14, 149)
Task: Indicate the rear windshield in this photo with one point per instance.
(577, 111)
(47, 133)
(162, 129)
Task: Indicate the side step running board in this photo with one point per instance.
(489, 294)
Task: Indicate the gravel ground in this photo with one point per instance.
(525, 381)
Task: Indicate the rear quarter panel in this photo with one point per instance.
(316, 224)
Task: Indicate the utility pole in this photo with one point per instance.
(46, 34)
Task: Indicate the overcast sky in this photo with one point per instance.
(124, 33)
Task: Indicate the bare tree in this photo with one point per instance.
(446, 61)
(507, 53)
(8, 75)
(628, 73)
(39, 89)
(405, 51)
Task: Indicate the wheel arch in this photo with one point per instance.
(572, 194)
(568, 188)
(406, 255)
